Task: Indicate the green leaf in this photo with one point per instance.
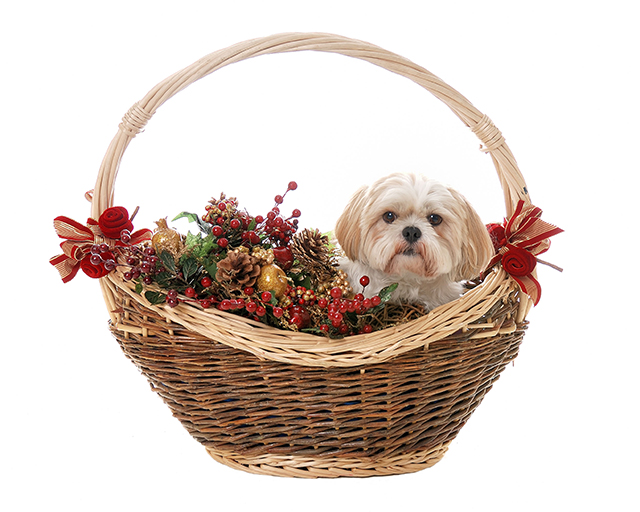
(139, 288)
(154, 297)
(205, 227)
(385, 293)
(192, 217)
(164, 279)
(168, 261)
(211, 267)
(189, 268)
(192, 240)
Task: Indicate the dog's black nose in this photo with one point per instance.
(411, 234)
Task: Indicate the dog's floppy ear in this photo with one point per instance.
(477, 248)
(348, 228)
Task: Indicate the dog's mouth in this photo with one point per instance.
(411, 258)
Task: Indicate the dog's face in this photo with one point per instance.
(408, 223)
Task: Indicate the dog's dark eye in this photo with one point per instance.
(389, 217)
(434, 219)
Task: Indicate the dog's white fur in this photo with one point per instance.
(428, 269)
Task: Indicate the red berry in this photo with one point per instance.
(261, 311)
(367, 328)
(302, 315)
(364, 280)
(324, 328)
(292, 185)
(206, 282)
(366, 303)
(322, 303)
(343, 329)
(220, 221)
(190, 292)
(296, 213)
(222, 207)
(251, 307)
(279, 199)
(128, 276)
(248, 290)
(336, 292)
(225, 305)
(266, 296)
(278, 312)
(172, 294)
(376, 300)
(217, 231)
(223, 242)
(358, 296)
(205, 303)
(259, 219)
(235, 224)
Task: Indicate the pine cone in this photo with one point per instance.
(311, 249)
(238, 271)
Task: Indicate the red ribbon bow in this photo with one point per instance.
(518, 241)
(78, 242)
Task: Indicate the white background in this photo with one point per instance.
(81, 429)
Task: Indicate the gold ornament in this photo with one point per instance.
(273, 279)
(166, 239)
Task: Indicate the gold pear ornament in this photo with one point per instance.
(273, 279)
(166, 239)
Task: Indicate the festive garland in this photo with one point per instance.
(262, 267)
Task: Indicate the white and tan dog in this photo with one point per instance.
(416, 232)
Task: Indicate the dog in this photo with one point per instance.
(414, 231)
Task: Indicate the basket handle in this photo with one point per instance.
(512, 181)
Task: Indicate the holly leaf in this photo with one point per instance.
(154, 297)
(164, 279)
(167, 260)
(189, 268)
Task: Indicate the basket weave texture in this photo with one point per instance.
(284, 403)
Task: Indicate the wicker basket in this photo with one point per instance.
(278, 402)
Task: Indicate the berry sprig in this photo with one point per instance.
(279, 230)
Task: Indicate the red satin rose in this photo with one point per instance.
(113, 220)
(518, 262)
(94, 271)
(498, 235)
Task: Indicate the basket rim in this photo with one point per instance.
(305, 349)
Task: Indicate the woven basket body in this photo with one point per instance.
(293, 404)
